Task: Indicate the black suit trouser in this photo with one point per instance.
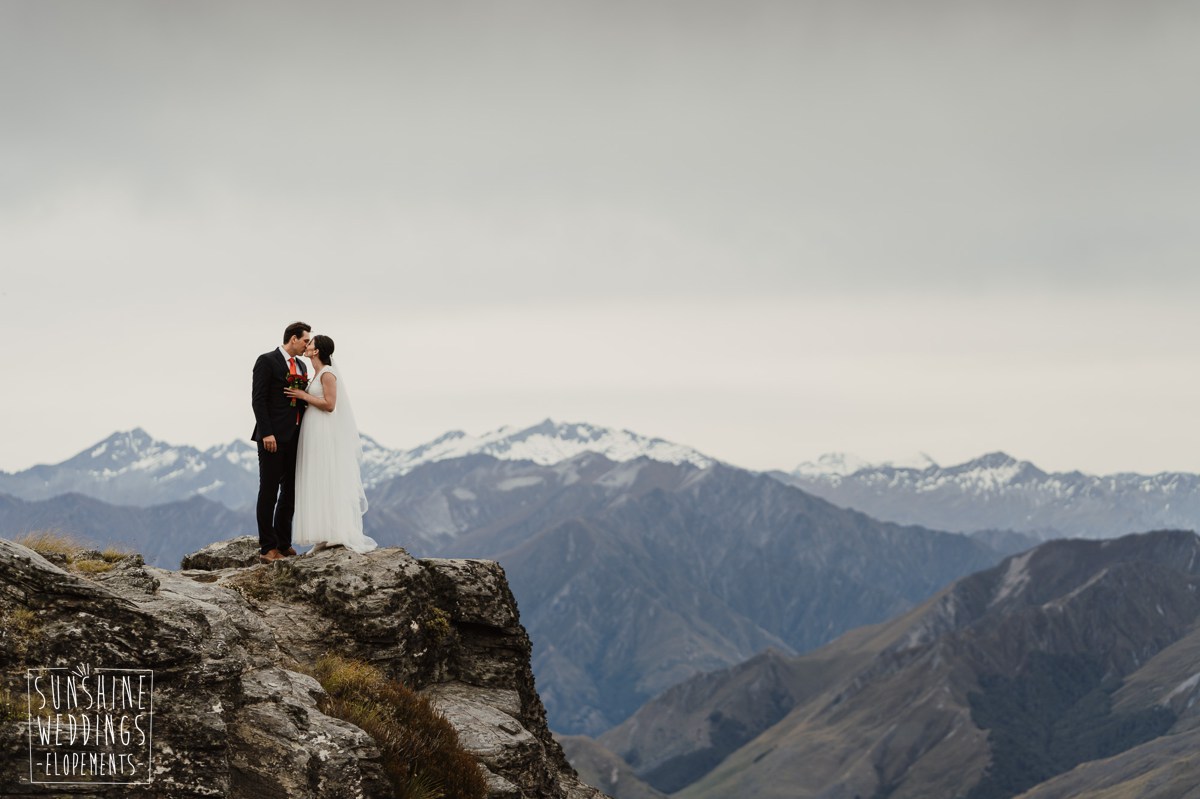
(276, 495)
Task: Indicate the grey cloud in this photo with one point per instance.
(712, 146)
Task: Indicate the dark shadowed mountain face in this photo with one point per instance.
(998, 492)
(1075, 652)
(633, 576)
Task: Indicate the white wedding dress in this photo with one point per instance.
(330, 501)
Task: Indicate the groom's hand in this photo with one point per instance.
(269, 443)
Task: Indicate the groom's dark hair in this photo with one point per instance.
(295, 329)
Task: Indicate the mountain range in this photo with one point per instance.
(633, 572)
(999, 492)
(993, 493)
(1065, 671)
(633, 576)
(638, 564)
(133, 468)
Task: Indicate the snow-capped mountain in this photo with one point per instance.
(993, 492)
(546, 443)
(133, 468)
(999, 492)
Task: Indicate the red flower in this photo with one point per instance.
(297, 381)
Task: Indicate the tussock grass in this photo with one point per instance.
(271, 581)
(22, 620)
(10, 709)
(112, 554)
(20, 632)
(422, 755)
(69, 552)
(92, 566)
(51, 543)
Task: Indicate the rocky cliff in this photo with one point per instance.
(224, 648)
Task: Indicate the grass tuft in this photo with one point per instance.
(113, 554)
(71, 553)
(275, 580)
(51, 543)
(422, 755)
(92, 566)
(20, 632)
(10, 709)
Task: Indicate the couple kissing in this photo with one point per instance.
(310, 487)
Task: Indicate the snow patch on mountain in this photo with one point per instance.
(999, 492)
(843, 464)
(513, 483)
(545, 444)
(132, 467)
(552, 442)
(1187, 685)
(1016, 577)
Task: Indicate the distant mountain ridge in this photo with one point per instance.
(993, 493)
(133, 468)
(999, 492)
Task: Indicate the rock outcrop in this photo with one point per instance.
(234, 713)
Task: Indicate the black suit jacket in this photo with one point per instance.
(273, 411)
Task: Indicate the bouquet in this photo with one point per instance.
(297, 381)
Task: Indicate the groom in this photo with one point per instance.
(277, 431)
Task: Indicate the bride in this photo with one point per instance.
(330, 501)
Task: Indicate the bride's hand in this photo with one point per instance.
(295, 393)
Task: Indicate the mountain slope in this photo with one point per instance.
(689, 729)
(633, 576)
(162, 533)
(1056, 657)
(1164, 768)
(998, 492)
(601, 768)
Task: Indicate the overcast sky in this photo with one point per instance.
(765, 229)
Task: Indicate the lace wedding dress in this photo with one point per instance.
(330, 501)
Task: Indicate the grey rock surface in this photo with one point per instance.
(234, 715)
(232, 554)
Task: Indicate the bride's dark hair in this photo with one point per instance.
(324, 345)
